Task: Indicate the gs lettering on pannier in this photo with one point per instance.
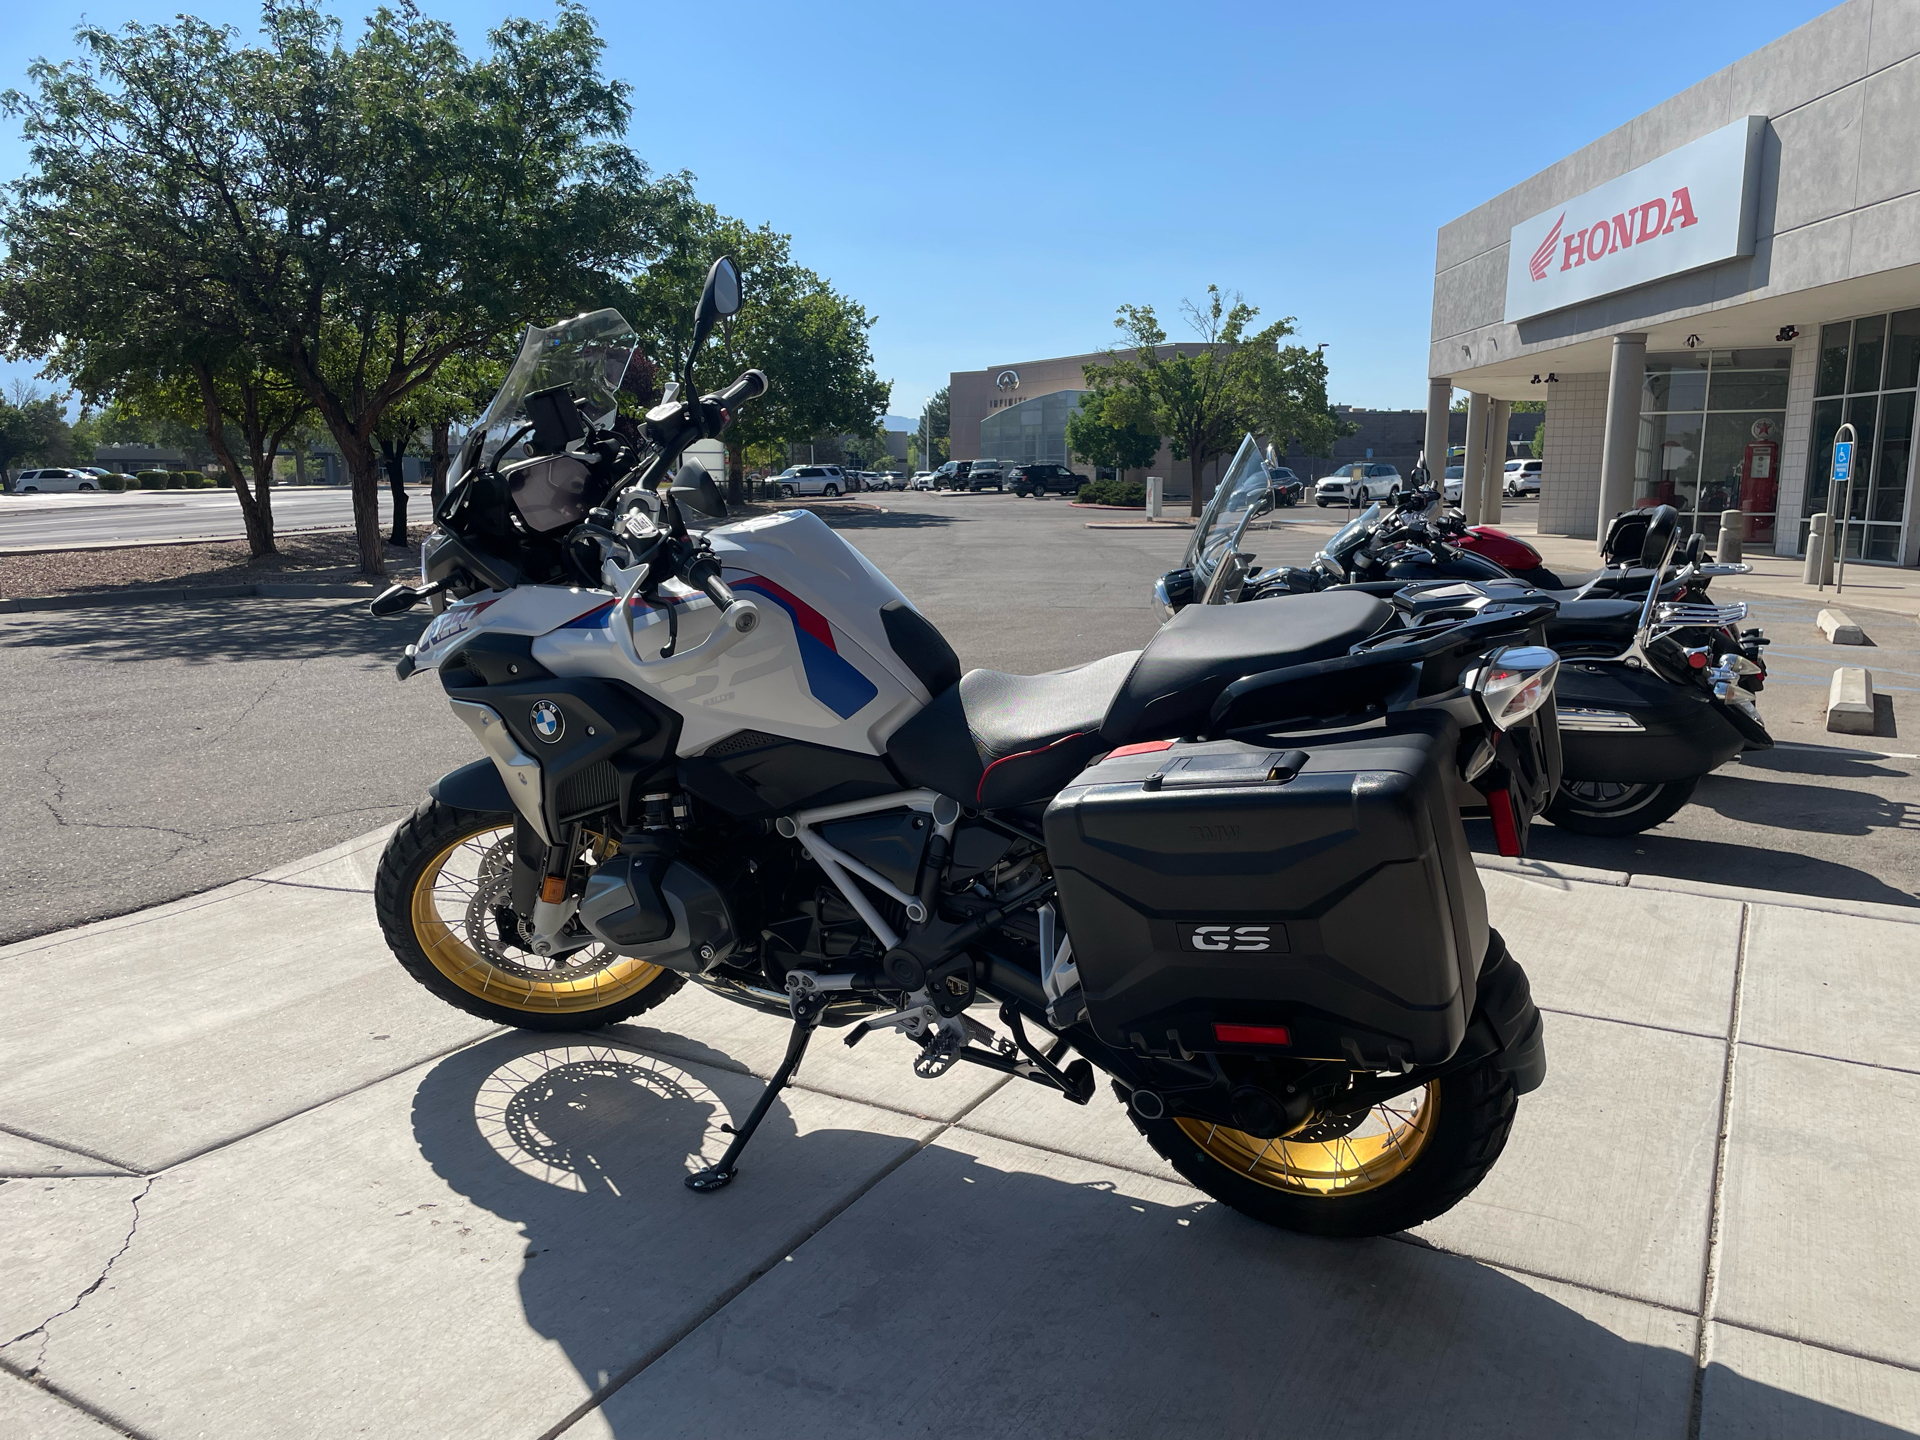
(1241, 938)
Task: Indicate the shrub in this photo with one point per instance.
(1131, 493)
(222, 479)
(113, 482)
(198, 481)
(152, 479)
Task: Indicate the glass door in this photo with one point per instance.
(1711, 423)
(1868, 377)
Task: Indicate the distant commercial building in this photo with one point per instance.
(1398, 438)
(1706, 295)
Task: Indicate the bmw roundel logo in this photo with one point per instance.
(548, 723)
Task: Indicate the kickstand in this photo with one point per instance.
(719, 1175)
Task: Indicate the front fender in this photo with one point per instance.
(474, 786)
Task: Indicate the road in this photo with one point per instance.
(157, 752)
(144, 517)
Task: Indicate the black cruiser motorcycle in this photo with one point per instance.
(1227, 870)
(1657, 683)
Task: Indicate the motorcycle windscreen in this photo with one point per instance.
(1244, 492)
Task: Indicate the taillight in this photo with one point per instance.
(1252, 1034)
(1514, 683)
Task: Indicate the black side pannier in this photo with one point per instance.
(1321, 886)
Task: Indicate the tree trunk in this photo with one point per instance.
(736, 473)
(1195, 504)
(299, 462)
(441, 459)
(395, 456)
(257, 518)
(363, 475)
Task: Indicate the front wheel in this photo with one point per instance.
(832, 492)
(786, 492)
(1613, 807)
(1399, 1165)
(444, 897)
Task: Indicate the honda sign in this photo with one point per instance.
(1691, 207)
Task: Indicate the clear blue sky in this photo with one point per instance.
(991, 181)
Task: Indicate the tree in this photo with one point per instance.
(809, 339)
(931, 443)
(1202, 400)
(869, 452)
(360, 213)
(33, 427)
(1098, 440)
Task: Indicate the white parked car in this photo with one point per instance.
(922, 480)
(1453, 484)
(797, 480)
(1358, 483)
(1522, 478)
(33, 482)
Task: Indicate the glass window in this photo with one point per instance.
(1903, 351)
(1675, 382)
(1826, 425)
(1862, 410)
(1832, 379)
(1745, 389)
(1667, 466)
(1869, 343)
(1736, 473)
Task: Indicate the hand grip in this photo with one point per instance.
(749, 386)
(705, 573)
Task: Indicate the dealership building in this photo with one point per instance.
(1706, 295)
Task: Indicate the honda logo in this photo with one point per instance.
(1239, 938)
(1635, 225)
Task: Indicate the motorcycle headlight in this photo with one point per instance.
(1514, 683)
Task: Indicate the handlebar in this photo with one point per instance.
(749, 386)
(705, 574)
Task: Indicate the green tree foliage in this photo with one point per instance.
(1204, 398)
(1539, 446)
(931, 445)
(360, 213)
(811, 341)
(1098, 440)
(33, 430)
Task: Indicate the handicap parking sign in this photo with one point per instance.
(1843, 460)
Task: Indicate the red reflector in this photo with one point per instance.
(1698, 662)
(1252, 1034)
(1145, 747)
(1506, 831)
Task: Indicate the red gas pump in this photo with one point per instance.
(1760, 482)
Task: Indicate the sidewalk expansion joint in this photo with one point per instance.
(1637, 1024)
(1837, 1059)
(1420, 1242)
(1710, 1272)
(735, 1291)
(41, 1329)
(1891, 1364)
(72, 1149)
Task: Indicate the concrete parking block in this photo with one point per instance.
(1839, 628)
(1762, 1387)
(1850, 707)
(207, 1023)
(700, 1026)
(31, 1413)
(60, 1236)
(989, 1289)
(1648, 959)
(1820, 1162)
(1834, 985)
(20, 1156)
(471, 1249)
(1635, 1220)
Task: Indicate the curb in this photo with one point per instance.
(94, 599)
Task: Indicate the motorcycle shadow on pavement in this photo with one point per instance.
(983, 1289)
(203, 631)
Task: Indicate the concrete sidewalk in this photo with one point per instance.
(265, 1185)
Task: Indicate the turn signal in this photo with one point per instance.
(1514, 683)
(1252, 1034)
(554, 889)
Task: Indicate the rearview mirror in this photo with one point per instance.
(695, 492)
(718, 300)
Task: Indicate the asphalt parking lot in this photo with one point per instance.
(157, 752)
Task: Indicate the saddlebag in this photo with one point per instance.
(1318, 885)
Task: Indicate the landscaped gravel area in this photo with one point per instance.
(329, 558)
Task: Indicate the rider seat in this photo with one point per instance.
(995, 740)
(1205, 648)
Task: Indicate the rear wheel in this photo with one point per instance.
(786, 492)
(444, 898)
(832, 492)
(1613, 807)
(1397, 1166)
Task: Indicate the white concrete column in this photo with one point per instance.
(1439, 405)
(1473, 461)
(1626, 377)
(1498, 412)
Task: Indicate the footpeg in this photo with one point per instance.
(938, 1055)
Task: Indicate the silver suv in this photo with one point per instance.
(1358, 483)
(798, 480)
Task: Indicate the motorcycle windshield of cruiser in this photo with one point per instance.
(1215, 555)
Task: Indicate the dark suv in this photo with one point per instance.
(1038, 479)
(983, 473)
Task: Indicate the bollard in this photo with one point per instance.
(1816, 560)
(1156, 494)
(1733, 530)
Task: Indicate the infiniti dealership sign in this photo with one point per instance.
(1691, 207)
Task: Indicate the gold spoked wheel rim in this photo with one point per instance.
(1380, 1148)
(455, 901)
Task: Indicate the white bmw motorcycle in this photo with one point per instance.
(1227, 870)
